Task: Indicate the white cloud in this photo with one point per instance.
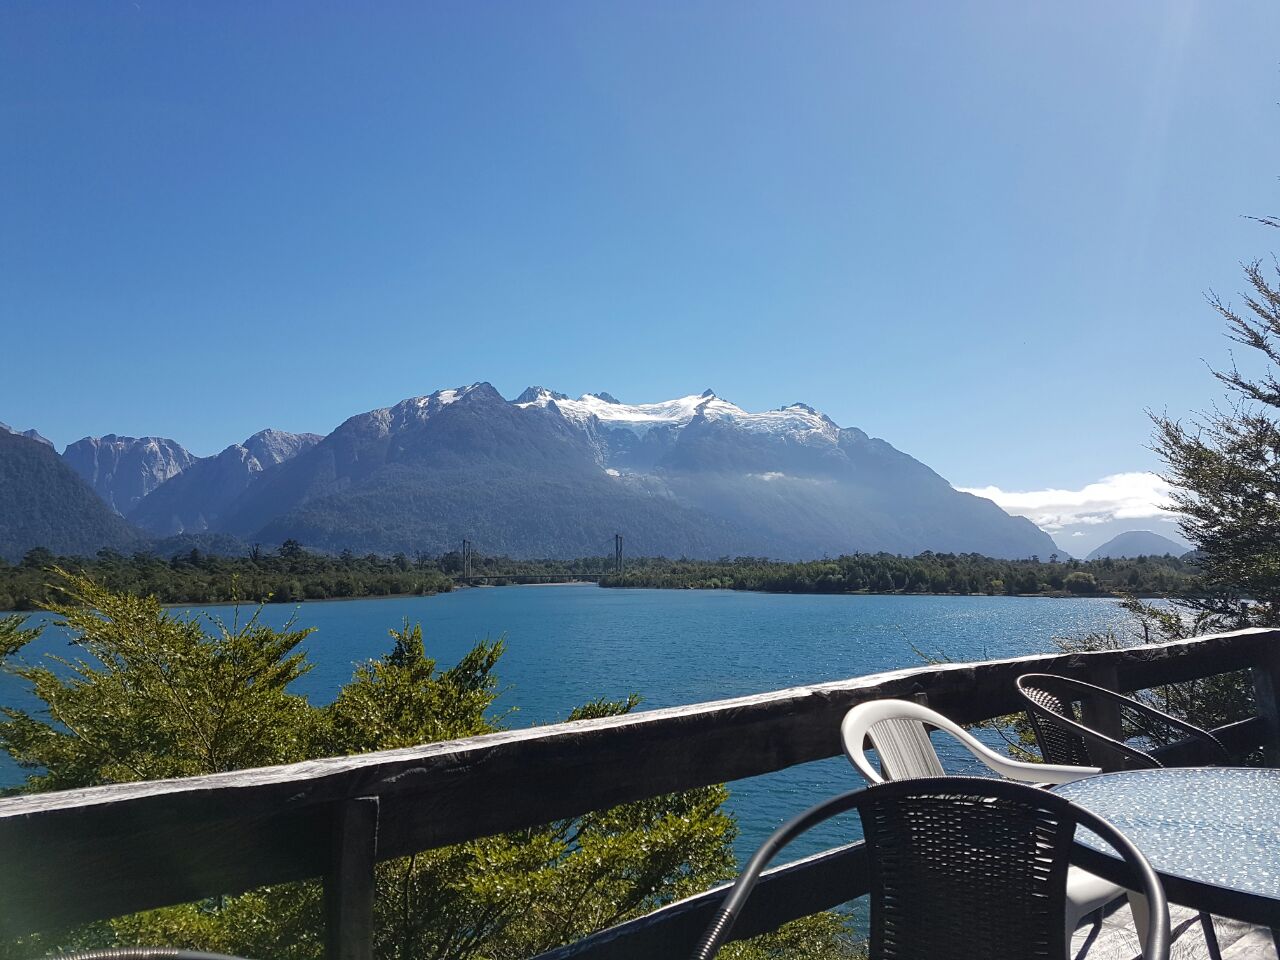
(1121, 496)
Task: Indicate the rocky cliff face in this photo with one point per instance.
(270, 447)
(193, 501)
(123, 470)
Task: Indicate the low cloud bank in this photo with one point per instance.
(1121, 496)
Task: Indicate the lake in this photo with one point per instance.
(571, 643)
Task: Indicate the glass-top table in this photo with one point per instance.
(1212, 833)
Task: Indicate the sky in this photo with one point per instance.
(984, 232)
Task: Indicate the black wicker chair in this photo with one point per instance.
(961, 867)
(1065, 738)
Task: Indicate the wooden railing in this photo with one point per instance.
(81, 855)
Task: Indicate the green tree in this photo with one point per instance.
(1080, 582)
(14, 635)
(153, 694)
(1225, 467)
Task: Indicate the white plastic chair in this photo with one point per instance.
(896, 729)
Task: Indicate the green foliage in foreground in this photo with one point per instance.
(939, 573)
(148, 693)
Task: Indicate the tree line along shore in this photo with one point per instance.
(291, 574)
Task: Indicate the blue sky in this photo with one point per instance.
(983, 232)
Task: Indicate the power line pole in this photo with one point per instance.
(466, 559)
(617, 554)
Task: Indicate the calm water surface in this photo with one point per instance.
(570, 644)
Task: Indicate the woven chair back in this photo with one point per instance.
(960, 868)
(1057, 745)
(958, 877)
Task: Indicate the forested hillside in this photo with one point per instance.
(43, 501)
(943, 573)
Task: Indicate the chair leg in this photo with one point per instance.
(1210, 936)
(1094, 930)
(1138, 904)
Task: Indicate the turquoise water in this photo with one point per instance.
(569, 644)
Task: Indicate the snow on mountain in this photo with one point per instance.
(589, 411)
(415, 410)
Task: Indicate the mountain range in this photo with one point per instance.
(550, 476)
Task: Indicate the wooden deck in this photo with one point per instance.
(82, 855)
(1115, 938)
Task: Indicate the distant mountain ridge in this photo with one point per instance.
(29, 434)
(1138, 543)
(194, 501)
(549, 476)
(123, 470)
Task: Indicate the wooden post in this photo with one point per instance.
(1103, 715)
(348, 885)
(1266, 698)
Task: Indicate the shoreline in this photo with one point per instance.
(380, 596)
(1057, 595)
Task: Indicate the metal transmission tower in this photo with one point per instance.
(617, 553)
(466, 559)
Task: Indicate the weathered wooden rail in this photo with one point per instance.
(81, 855)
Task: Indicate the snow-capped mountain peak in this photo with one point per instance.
(543, 476)
(601, 411)
(638, 418)
(417, 410)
